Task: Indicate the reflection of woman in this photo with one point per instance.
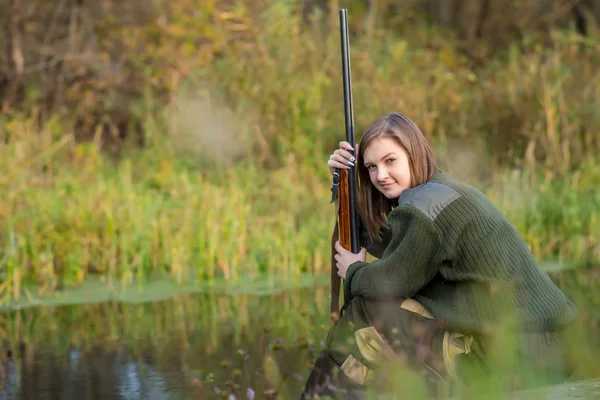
(452, 273)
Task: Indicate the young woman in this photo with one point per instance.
(453, 275)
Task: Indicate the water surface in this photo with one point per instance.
(197, 346)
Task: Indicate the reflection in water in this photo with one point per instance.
(195, 346)
(109, 376)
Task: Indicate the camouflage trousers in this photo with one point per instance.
(373, 339)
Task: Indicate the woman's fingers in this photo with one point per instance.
(337, 161)
(342, 158)
(345, 146)
(336, 164)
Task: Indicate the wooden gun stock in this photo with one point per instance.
(346, 228)
(341, 232)
(345, 234)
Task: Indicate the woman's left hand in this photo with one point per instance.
(345, 258)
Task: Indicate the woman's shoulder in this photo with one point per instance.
(432, 197)
(443, 191)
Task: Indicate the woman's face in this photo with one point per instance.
(387, 163)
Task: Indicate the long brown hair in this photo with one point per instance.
(373, 205)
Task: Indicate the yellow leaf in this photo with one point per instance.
(272, 371)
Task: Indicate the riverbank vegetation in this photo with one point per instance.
(192, 145)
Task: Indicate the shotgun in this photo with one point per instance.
(344, 181)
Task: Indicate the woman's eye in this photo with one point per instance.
(390, 160)
(370, 167)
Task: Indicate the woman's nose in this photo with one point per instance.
(381, 174)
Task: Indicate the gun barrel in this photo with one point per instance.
(349, 119)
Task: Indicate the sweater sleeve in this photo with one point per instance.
(374, 247)
(413, 262)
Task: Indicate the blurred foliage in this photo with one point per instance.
(97, 64)
(188, 138)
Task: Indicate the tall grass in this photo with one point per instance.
(148, 216)
(232, 182)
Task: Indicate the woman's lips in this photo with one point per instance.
(387, 185)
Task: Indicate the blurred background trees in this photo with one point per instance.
(92, 61)
(494, 23)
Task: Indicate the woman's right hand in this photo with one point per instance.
(342, 158)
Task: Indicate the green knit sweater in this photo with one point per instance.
(452, 250)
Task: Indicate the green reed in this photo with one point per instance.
(232, 182)
(144, 218)
(129, 221)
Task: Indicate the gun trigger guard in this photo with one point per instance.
(336, 179)
(334, 188)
